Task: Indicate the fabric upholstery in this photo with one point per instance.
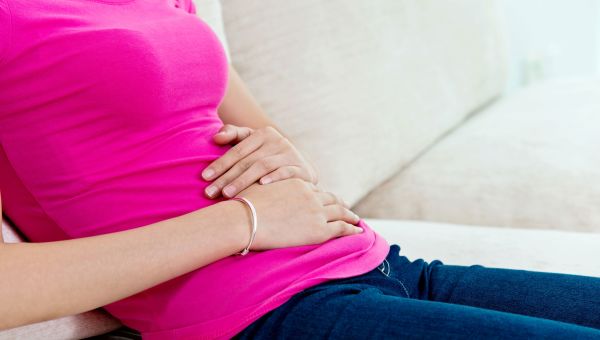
(78, 326)
(9, 233)
(362, 86)
(529, 161)
(540, 250)
(210, 12)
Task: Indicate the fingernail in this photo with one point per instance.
(265, 180)
(356, 216)
(211, 190)
(359, 230)
(229, 190)
(208, 173)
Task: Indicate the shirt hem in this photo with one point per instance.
(198, 331)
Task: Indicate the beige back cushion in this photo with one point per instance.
(363, 86)
(210, 12)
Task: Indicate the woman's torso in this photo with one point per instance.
(107, 111)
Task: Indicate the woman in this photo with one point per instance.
(113, 164)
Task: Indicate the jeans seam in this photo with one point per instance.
(404, 287)
(382, 269)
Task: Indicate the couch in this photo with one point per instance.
(400, 105)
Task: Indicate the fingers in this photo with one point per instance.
(341, 228)
(229, 133)
(221, 182)
(252, 168)
(231, 157)
(285, 172)
(328, 198)
(336, 212)
(239, 179)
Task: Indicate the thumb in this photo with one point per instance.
(229, 133)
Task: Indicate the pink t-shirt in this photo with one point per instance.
(107, 112)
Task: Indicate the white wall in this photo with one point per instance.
(598, 38)
(552, 39)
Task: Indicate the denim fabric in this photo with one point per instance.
(416, 299)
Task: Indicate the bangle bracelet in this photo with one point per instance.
(254, 223)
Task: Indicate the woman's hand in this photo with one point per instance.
(262, 154)
(294, 212)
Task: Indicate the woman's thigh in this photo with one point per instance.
(562, 297)
(426, 300)
(355, 311)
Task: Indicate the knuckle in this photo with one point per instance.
(282, 141)
(288, 172)
(348, 228)
(309, 185)
(237, 151)
(266, 163)
(239, 183)
(315, 209)
(262, 164)
(341, 227)
(307, 194)
(298, 181)
(245, 164)
(260, 132)
(286, 143)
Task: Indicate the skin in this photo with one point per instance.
(95, 271)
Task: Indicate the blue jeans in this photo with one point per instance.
(416, 299)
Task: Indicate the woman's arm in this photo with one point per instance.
(261, 151)
(239, 107)
(41, 281)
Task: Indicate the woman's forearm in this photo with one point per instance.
(41, 281)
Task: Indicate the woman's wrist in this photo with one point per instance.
(252, 209)
(238, 218)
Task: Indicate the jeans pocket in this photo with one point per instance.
(386, 270)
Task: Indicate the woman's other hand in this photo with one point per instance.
(294, 212)
(262, 155)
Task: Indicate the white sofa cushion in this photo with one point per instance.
(78, 326)
(531, 160)
(9, 233)
(539, 250)
(361, 86)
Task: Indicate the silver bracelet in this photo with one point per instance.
(254, 223)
